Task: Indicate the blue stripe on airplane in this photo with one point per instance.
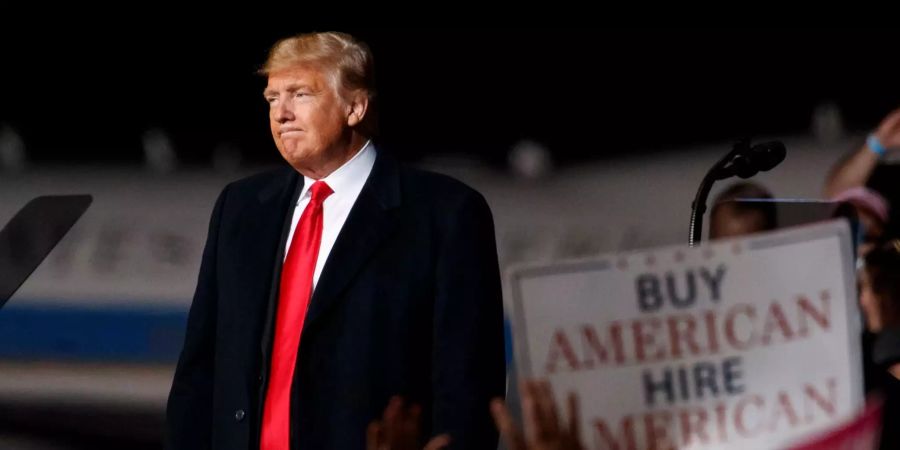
(111, 334)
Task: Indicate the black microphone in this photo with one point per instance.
(768, 155)
(746, 161)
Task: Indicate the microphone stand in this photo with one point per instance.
(719, 171)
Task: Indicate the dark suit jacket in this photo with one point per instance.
(408, 303)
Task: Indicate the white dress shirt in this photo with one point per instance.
(346, 183)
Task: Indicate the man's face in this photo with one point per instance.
(309, 120)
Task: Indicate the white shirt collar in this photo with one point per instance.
(352, 174)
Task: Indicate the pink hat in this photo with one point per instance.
(867, 199)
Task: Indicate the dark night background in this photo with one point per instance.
(86, 93)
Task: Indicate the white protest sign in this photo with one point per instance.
(750, 343)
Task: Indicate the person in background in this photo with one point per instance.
(872, 211)
(879, 297)
(732, 218)
(856, 169)
(869, 166)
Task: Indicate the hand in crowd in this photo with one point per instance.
(398, 429)
(888, 131)
(544, 428)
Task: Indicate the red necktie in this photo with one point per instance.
(293, 300)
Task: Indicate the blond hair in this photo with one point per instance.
(347, 61)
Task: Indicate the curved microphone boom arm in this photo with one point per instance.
(743, 161)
